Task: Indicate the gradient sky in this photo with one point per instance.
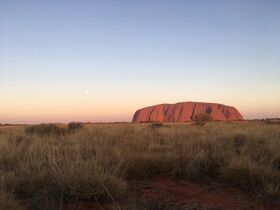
(100, 60)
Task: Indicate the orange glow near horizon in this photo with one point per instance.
(56, 103)
(87, 110)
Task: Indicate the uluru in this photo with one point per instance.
(186, 111)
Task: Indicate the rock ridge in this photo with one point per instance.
(186, 111)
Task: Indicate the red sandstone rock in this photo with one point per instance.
(185, 111)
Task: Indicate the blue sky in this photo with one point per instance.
(101, 60)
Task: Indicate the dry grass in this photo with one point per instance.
(93, 162)
(7, 201)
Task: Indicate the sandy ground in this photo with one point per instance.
(185, 195)
(199, 195)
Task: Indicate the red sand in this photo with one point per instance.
(199, 195)
(189, 195)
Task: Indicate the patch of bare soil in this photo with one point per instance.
(199, 196)
(168, 194)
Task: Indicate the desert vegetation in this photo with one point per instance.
(58, 166)
(202, 118)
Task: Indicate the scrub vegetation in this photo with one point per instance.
(50, 166)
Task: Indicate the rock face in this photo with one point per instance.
(185, 111)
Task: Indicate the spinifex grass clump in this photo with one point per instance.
(7, 202)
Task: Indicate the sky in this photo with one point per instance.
(101, 60)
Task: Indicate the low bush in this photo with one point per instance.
(157, 125)
(202, 118)
(73, 126)
(45, 130)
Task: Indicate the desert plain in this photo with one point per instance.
(191, 165)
